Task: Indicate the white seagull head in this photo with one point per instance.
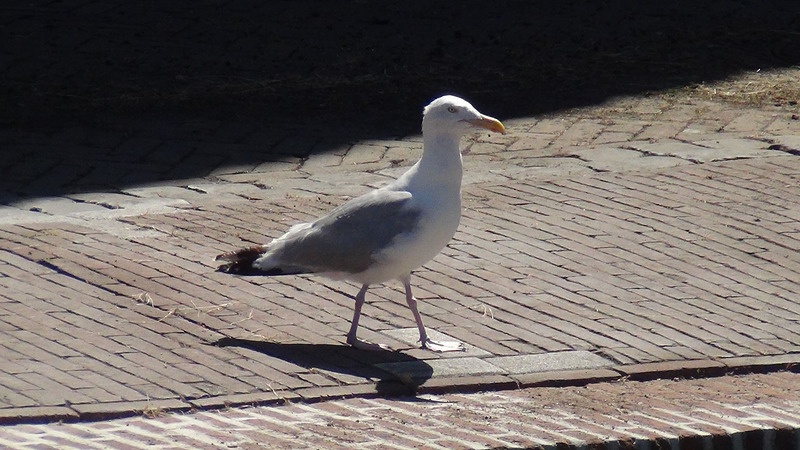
(455, 116)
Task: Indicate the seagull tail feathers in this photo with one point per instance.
(240, 262)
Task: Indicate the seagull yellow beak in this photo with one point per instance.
(490, 123)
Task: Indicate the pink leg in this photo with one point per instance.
(423, 335)
(351, 335)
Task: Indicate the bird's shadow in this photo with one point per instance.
(394, 373)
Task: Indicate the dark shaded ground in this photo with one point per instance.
(358, 66)
(354, 59)
(345, 360)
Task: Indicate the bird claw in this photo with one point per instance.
(444, 346)
(364, 345)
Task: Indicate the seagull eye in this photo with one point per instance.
(452, 109)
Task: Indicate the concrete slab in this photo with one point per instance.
(739, 147)
(444, 367)
(790, 141)
(708, 150)
(611, 158)
(59, 206)
(547, 362)
(411, 337)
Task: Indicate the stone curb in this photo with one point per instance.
(441, 385)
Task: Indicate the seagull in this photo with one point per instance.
(386, 233)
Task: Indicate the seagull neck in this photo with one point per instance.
(441, 158)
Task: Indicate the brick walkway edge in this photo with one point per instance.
(718, 413)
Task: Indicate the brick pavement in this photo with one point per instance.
(634, 240)
(644, 238)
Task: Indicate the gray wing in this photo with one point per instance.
(347, 239)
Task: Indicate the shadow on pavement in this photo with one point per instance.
(345, 360)
(346, 70)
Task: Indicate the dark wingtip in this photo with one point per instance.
(247, 253)
(240, 261)
(226, 268)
